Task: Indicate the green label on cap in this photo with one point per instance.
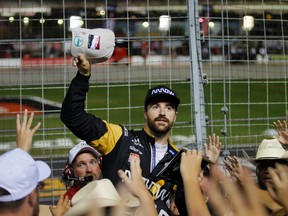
(78, 41)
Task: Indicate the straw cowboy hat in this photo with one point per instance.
(269, 149)
(99, 194)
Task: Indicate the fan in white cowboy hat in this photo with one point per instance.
(269, 152)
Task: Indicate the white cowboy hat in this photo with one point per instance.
(98, 194)
(269, 149)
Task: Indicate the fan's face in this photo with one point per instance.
(86, 164)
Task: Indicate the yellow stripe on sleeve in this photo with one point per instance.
(108, 141)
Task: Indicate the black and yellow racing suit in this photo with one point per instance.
(117, 144)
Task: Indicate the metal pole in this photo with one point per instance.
(196, 84)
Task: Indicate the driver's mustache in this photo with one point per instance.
(161, 118)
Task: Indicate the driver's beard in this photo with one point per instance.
(157, 132)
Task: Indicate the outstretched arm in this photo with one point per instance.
(73, 113)
(190, 168)
(24, 132)
(227, 198)
(86, 126)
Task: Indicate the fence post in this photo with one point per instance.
(196, 83)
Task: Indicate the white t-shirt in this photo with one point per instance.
(160, 152)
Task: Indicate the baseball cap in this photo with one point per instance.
(20, 174)
(270, 149)
(79, 148)
(101, 193)
(97, 45)
(162, 93)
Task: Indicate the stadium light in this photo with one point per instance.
(76, 22)
(102, 12)
(248, 23)
(211, 24)
(26, 20)
(60, 21)
(164, 22)
(145, 24)
(42, 20)
(11, 19)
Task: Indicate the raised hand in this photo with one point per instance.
(278, 189)
(282, 131)
(82, 64)
(62, 206)
(213, 148)
(24, 133)
(136, 186)
(190, 166)
(233, 165)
